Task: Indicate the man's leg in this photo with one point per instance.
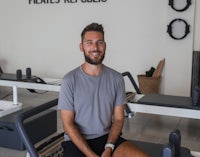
(128, 149)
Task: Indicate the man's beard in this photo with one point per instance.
(93, 61)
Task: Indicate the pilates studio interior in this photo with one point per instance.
(155, 45)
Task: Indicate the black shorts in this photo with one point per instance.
(96, 144)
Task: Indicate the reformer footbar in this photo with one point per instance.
(127, 109)
(128, 74)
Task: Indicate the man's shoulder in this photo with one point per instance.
(73, 72)
(112, 71)
(71, 75)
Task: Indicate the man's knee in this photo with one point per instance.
(128, 149)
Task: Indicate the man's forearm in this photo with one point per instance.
(79, 141)
(117, 124)
(74, 133)
(115, 131)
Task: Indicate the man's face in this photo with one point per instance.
(94, 47)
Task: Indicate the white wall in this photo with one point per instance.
(178, 54)
(45, 37)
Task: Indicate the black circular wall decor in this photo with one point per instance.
(171, 3)
(170, 29)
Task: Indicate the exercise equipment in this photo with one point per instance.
(168, 150)
(129, 113)
(175, 141)
(170, 29)
(35, 127)
(128, 74)
(188, 3)
(154, 150)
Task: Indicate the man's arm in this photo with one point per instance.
(74, 134)
(117, 125)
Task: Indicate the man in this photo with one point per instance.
(91, 102)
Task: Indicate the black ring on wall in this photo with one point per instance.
(171, 3)
(187, 29)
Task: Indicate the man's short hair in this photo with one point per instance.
(92, 27)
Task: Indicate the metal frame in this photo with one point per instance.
(163, 110)
(20, 127)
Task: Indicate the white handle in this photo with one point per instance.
(15, 95)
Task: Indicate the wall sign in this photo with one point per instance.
(64, 1)
(185, 25)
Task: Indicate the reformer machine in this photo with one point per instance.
(52, 147)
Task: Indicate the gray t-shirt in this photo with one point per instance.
(92, 98)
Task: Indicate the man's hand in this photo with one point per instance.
(107, 152)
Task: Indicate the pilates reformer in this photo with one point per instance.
(168, 105)
(52, 147)
(160, 104)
